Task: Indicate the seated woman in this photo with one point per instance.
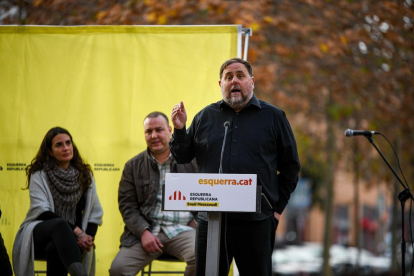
(64, 213)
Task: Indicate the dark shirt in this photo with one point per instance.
(259, 141)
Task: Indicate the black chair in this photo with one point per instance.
(162, 258)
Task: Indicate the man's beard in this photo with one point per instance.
(239, 103)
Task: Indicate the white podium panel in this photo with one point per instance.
(210, 192)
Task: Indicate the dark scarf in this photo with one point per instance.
(66, 190)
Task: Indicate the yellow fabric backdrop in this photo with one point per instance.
(98, 82)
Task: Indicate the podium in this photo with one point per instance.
(212, 193)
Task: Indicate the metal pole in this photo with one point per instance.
(213, 243)
(247, 32)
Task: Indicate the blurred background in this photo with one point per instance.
(330, 65)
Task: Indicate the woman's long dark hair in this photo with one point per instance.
(43, 157)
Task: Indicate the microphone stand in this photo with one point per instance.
(402, 197)
(214, 228)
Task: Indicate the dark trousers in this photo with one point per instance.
(55, 242)
(250, 243)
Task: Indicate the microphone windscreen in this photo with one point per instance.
(348, 133)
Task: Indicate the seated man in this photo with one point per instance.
(150, 232)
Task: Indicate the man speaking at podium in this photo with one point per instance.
(259, 141)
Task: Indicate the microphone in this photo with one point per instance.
(226, 126)
(350, 132)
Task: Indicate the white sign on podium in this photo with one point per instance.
(211, 192)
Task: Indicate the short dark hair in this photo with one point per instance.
(236, 60)
(155, 114)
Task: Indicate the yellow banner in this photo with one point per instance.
(98, 82)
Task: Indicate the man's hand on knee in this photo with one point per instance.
(150, 242)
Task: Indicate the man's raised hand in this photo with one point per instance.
(179, 116)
